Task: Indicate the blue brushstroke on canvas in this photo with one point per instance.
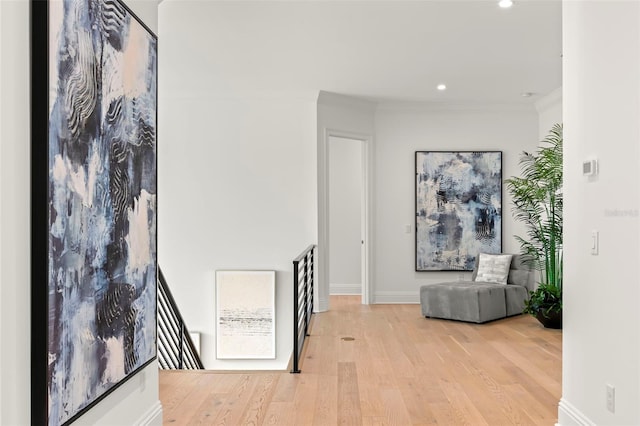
(458, 208)
(102, 192)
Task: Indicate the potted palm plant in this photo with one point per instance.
(537, 202)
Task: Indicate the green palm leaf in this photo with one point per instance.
(537, 202)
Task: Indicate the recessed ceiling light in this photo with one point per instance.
(442, 87)
(526, 94)
(505, 4)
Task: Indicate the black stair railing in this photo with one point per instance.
(176, 350)
(303, 288)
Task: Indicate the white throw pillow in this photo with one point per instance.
(494, 268)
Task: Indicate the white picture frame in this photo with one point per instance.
(245, 314)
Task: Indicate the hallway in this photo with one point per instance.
(399, 369)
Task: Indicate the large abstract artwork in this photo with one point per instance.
(245, 315)
(94, 179)
(458, 208)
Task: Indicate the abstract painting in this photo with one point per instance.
(458, 208)
(94, 204)
(245, 314)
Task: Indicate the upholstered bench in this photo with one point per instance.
(478, 300)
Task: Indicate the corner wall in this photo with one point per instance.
(402, 129)
(549, 112)
(134, 403)
(601, 106)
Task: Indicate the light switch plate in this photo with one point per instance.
(590, 167)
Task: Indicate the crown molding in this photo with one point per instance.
(417, 106)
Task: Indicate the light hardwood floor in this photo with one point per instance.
(400, 369)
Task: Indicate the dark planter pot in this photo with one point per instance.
(554, 320)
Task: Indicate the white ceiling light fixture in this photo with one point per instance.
(505, 4)
(441, 87)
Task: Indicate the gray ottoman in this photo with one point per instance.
(464, 301)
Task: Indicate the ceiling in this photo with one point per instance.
(382, 50)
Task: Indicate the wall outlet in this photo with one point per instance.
(611, 398)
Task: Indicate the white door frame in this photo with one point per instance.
(323, 211)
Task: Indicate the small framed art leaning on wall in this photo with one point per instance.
(93, 185)
(458, 207)
(245, 314)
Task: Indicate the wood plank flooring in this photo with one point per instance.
(400, 369)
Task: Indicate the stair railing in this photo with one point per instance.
(303, 288)
(176, 350)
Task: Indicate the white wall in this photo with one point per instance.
(601, 106)
(402, 129)
(236, 191)
(345, 218)
(14, 219)
(347, 117)
(136, 402)
(1, 207)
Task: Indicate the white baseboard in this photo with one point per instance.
(396, 297)
(153, 416)
(568, 415)
(345, 289)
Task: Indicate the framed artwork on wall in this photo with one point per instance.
(458, 208)
(245, 314)
(94, 175)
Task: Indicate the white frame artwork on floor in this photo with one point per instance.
(245, 315)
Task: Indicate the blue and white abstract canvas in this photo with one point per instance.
(102, 202)
(458, 208)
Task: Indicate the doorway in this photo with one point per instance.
(347, 215)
